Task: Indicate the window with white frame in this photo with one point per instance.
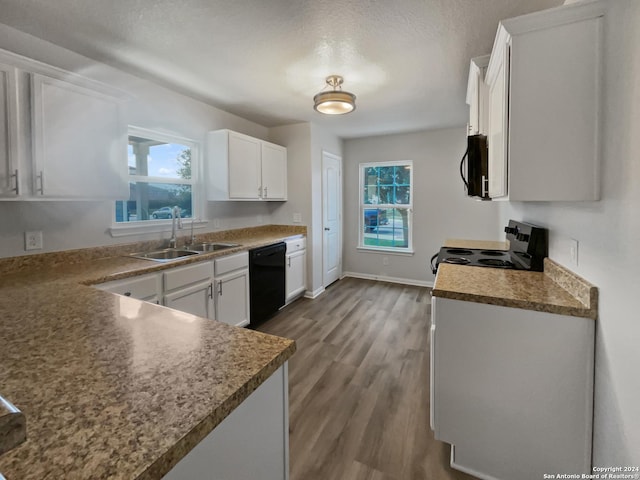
(162, 175)
(386, 201)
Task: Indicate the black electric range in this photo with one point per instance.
(528, 246)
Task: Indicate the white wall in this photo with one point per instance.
(441, 209)
(609, 236)
(68, 225)
(305, 143)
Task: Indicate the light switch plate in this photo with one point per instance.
(33, 240)
(573, 251)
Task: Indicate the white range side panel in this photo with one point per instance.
(251, 443)
(513, 390)
(554, 113)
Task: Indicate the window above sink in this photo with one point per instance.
(163, 172)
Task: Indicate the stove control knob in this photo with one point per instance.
(511, 230)
(523, 237)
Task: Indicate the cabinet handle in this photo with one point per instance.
(41, 177)
(220, 287)
(260, 191)
(484, 182)
(265, 192)
(289, 261)
(17, 187)
(210, 290)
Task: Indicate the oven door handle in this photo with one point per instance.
(434, 266)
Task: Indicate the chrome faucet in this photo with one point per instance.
(175, 215)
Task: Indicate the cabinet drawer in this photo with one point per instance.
(137, 287)
(230, 263)
(182, 276)
(296, 244)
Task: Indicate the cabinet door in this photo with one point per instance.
(244, 167)
(232, 298)
(79, 142)
(195, 299)
(9, 175)
(295, 278)
(498, 133)
(144, 287)
(274, 172)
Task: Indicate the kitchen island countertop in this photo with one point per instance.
(112, 387)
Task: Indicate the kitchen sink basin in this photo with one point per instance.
(165, 255)
(211, 247)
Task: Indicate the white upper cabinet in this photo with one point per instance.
(544, 80)
(240, 167)
(79, 142)
(477, 96)
(62, 136)
(9, 173)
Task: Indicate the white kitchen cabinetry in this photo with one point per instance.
(79, 142)
(240, 167)
(478, 96)
(512, 389)
(296, 260)
(63, 135)
(232, 289)
(190, 289)
(9, 172)
(544, 80)
(144, 287)
(251, 443)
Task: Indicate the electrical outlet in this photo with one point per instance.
(573, 251)
(259, 219)
(216, 223)
(385, 261)
(33, 240)
(297, 218)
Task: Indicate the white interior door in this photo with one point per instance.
(331, 217)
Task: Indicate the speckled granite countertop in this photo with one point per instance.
(112, 387)
(556, 290)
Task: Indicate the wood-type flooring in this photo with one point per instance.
(359, 384)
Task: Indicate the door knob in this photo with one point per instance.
(326, 229)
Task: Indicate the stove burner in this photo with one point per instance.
(495, 262)
(457, 260)
(459, 251)
(493, 253)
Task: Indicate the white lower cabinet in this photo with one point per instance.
(144, 287)
(217, 289)
(190, 289)
(251, 443)
(296, 271)
(232, 289)
(512, 389)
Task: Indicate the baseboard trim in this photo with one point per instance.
(317, 292)
(383, 278)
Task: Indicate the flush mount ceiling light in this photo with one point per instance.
(334, 101)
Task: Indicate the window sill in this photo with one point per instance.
(389, 251)
(139, 228)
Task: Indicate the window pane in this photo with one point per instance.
(154, 158)
(154, 201)
(386, 227)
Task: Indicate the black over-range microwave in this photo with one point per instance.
(476, 174)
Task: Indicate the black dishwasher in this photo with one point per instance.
(266, 281)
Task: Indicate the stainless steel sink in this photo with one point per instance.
(165, 255)
(211, 247)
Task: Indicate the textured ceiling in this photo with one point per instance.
(405, 60)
